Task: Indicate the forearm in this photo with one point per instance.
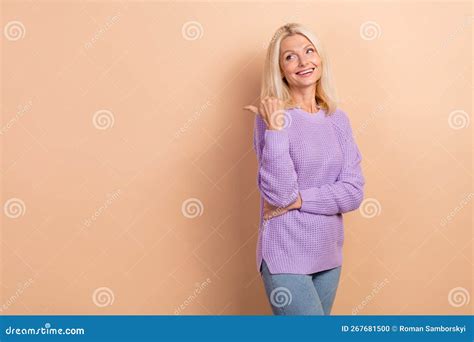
(277, 179)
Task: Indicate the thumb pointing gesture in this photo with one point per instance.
(255, 110)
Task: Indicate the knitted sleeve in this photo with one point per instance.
(347, 193)
(277, 179)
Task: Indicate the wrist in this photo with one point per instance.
(299, 201)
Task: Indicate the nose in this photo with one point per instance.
(303, 62)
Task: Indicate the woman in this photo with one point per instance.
(309, 174)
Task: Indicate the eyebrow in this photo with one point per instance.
(293, 51)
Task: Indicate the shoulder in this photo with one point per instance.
(342, 124)
(341, 120)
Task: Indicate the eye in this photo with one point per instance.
(310, 49)
(286, 58)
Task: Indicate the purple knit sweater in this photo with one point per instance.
(317, 156)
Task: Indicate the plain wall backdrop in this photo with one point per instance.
(129, 175)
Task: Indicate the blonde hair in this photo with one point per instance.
(272, 78)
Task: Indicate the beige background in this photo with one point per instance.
(129, 177)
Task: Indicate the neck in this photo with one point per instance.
(305, 99)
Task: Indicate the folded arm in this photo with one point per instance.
(277, 179)
(347, 193)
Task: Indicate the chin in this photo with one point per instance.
(306, 83)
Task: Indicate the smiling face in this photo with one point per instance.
(298, 56)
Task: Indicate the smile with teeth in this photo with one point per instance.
(305, 73)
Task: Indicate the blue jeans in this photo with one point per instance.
(301, 294)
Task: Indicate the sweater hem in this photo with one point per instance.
(301, 265)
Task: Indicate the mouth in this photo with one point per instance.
(305, 73)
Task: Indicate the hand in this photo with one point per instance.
(272, 111)
(270, 210)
